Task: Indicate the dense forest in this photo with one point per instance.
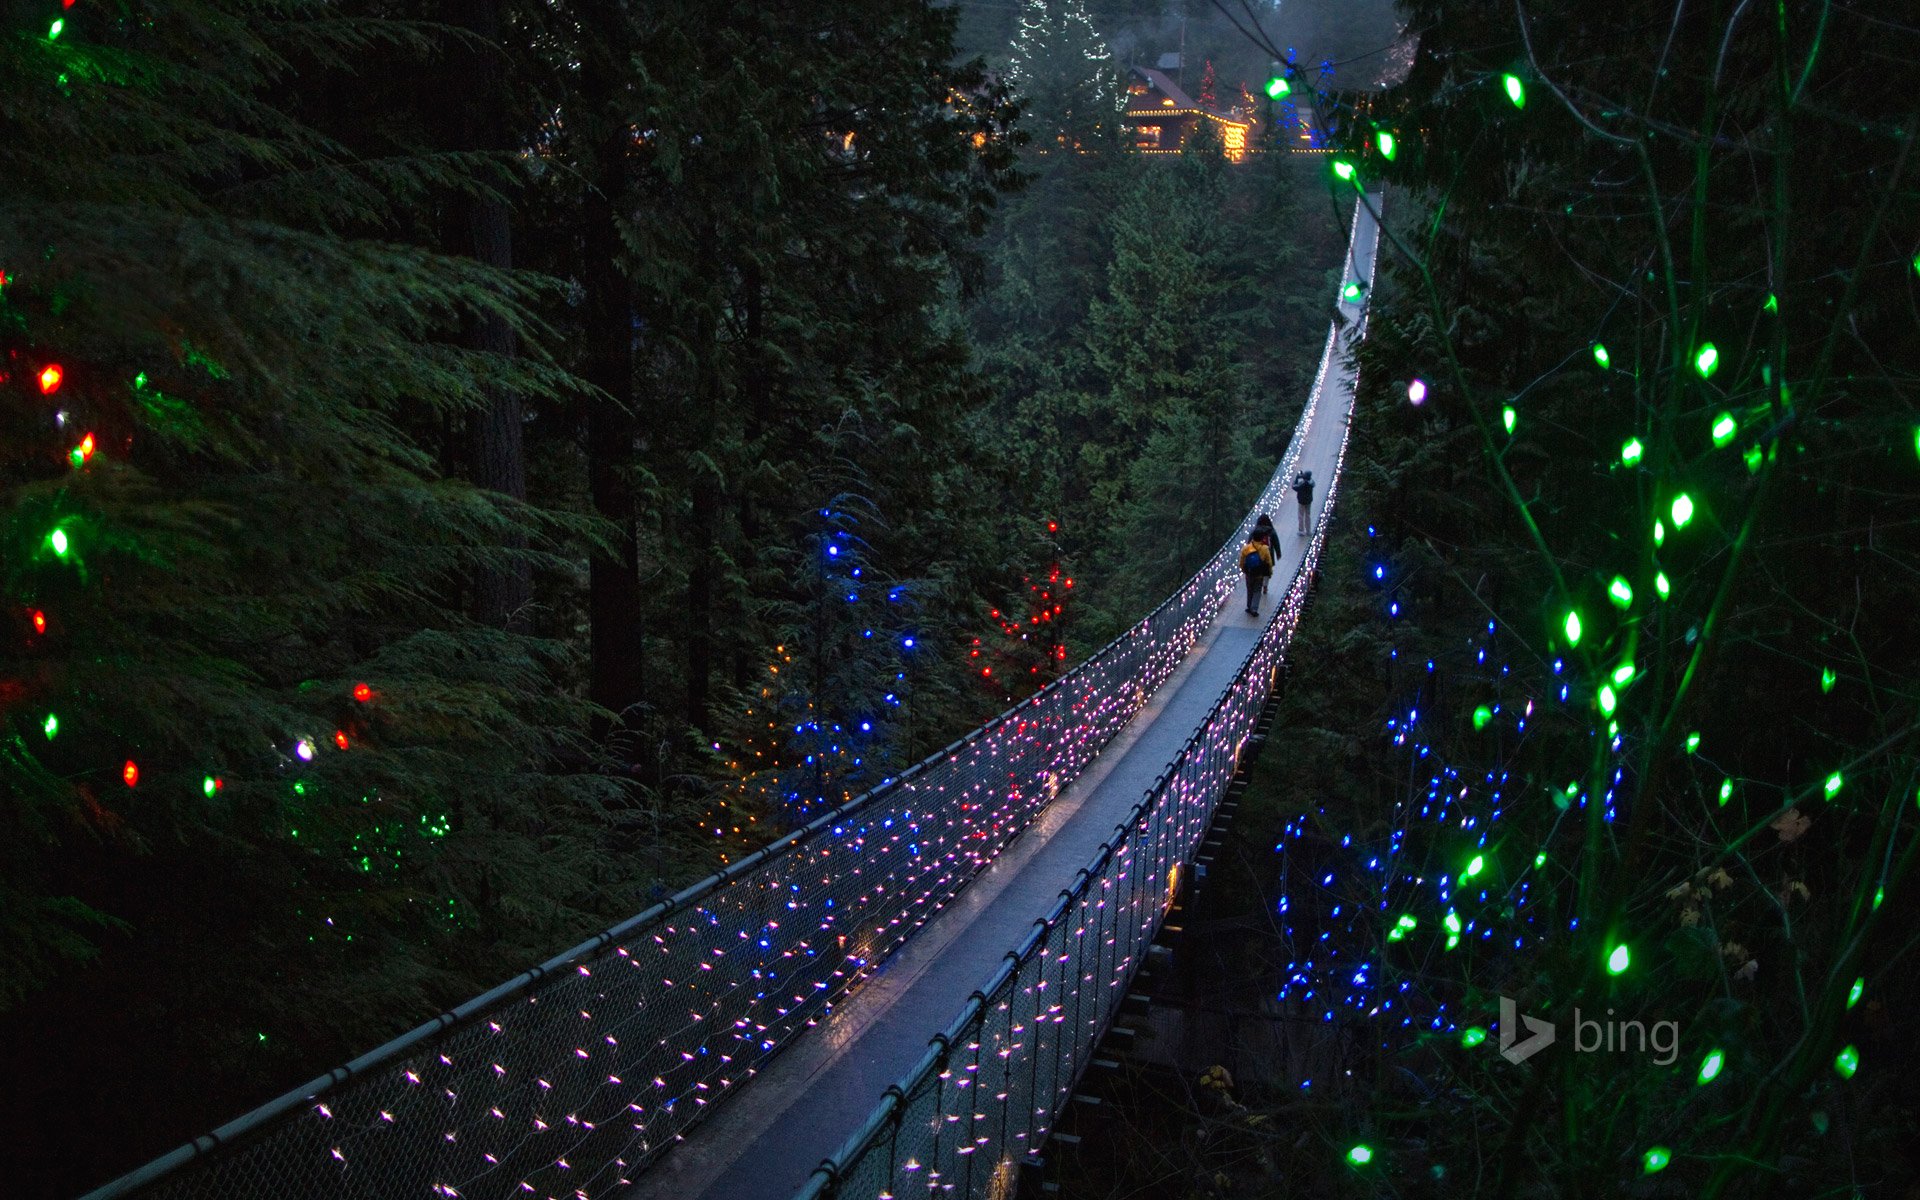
(471, 468)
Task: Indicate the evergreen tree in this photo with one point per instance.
(1177, 452)
(1064, 74)
(262, 771)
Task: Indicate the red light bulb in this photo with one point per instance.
(130, 773)
(50, 377)
(362, 692)
(340, 738)
(39, 621)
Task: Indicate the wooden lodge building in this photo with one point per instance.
(1162, 116)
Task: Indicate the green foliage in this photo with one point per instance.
(262, 354)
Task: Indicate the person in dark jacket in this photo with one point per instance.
(1264, 530)
(1303, 492)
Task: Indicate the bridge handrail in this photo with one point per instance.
(939, 1121)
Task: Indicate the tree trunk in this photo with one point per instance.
(704, 489)
(495, 457)
(616, 633)
(756, 388)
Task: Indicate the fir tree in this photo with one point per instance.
(1063, 72)
(262, 772)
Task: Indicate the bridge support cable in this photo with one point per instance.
(993, 1083)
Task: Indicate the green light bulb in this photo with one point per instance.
(1752, 456)
(1710, 1067)
(1607, 700)
(1573, 627)
(1619, 960)
(1360, 1155)
(1508, 417)
(1854, 993)
(57, 541)
(1773, 303)
(1344, 170)
(1724, 427)
(1478, 865)
(208, 786)
(1707, 360)
(1682, 510)
(1623, 674)
(1601, 357)
(1726, 791)
(1847, 1061)
(1620, 591)
(1278, 87)
(1693, 742)
(1385, 142)
(1516, 90)
(1835, 782)
(1655, 1160)
(1631, 451)
(1540, 860)
(1661, 585)
(1481, 716)
(1826, 679)
(54, 31)
(1452, 921)
(1472, 1036)
(1659, 532)
(50, 726)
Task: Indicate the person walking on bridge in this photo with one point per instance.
(1303, 492)
(1263, 529)
(1256, 563)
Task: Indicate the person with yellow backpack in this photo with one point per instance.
(1256, 563)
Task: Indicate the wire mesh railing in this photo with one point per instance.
(990, 1085)
(568, 1079)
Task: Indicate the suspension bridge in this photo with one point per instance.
(897, 999)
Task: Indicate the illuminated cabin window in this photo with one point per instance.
(1147, 135)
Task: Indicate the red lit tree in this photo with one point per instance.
(1030, 650)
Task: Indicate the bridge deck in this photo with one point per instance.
(768, 1139)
